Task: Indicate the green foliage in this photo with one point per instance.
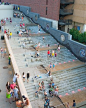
(76, 35)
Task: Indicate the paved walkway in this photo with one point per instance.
(5, 75)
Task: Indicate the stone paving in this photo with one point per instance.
(5, 75)
(26, 62)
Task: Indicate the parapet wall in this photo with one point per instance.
(79, 50)
(6, 11)
(16, 70)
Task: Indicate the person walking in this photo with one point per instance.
(23, 76)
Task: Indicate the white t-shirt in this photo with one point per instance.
(14, 78)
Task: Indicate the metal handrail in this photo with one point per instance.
(69, 21)
(66, 10)
(67, 1)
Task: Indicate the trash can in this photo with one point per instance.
(2, 37)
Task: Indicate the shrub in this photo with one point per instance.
(76, 35)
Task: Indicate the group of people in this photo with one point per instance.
(3, 52)
(53, 91)
(9, 34)
(26, 75)
(52, 65)
(12, 90)
(12, 94)
(3, 22)
(37, 54)
(22, 25)
(37, 46)
(16, 15)
(40, 88)
(53, 53)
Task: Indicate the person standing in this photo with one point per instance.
(28, 75)
(1, 52)
(8, 95)
(10, 35)
(9, 58)
(48, 53)
(8, 31)
(52, 53)
(50, 65)
(23, 76)
(2, 28)
(7, 86)
(15, 93)
(53, 65)
(15, 77)
(38, 45)
(5, 52)
(74, 104)
(22, 18)
(56, 91)
(58, 48)
(55, 54)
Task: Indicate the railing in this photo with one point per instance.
(62, 104)
(66, 11)
(66, 1)
(65, 22)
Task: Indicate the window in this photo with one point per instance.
(46, 10)
(78, 28)
(46, 2)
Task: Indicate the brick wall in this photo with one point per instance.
(39, 6)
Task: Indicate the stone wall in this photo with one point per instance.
(79, 50)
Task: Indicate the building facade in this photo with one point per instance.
(73, 16)
(46, 8)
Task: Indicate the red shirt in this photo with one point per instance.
(5, 31)
(48, 52)
(12, 86)
(23, 24)
(55, 54)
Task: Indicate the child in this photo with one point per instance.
(10, 34)
(55, 54)
(50, 65)
(52, 53)
(53, 65)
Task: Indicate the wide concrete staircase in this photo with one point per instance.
(68, 81)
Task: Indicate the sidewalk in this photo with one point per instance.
(5, 75)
